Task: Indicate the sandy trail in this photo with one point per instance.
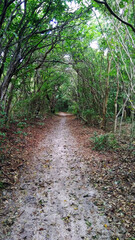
(54, 198)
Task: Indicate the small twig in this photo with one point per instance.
(14, 169)
(21, 213)
(11, 182)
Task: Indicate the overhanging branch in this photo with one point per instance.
(114, 14)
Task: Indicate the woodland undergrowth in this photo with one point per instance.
(112, 173)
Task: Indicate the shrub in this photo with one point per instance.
(21, 125)
(104, 141)
(91, 116)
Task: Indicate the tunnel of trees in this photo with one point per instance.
(76, 56)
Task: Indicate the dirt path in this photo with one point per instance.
(54, 197)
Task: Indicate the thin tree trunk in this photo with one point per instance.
(8, 104)
(103, 123)
(115, 101)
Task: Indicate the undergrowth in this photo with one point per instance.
(105, 141)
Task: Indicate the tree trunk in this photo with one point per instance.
(105, 102)
(115, 101)
(4, 86)
(9, 100)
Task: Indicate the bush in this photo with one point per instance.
(91, 116)
(21, 125)
(104, 141)
(73, 108)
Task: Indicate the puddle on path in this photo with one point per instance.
(54, 199)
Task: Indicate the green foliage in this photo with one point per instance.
(1, 185)
(21, 133)
(104, 141)
(2, 117)
(74, 108)
(91, 116)
(41, 123)
(68, 73)
(2, 134)
(2, 139)
(22, 125)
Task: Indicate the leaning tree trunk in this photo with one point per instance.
(5, 84)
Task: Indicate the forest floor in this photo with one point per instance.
(56, 187)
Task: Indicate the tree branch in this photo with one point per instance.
(114, 14)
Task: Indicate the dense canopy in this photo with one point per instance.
(73, 56)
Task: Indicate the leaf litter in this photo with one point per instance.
(111, 176)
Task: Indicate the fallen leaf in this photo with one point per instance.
(41, 229)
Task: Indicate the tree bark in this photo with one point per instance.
(115, 101)
(9, 100)
(105, 102)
